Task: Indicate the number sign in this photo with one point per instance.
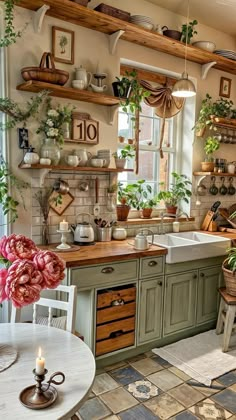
(85, 130)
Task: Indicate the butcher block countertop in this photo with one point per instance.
(105, 252)
(228, 235)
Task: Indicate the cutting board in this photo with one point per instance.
(207, 220)
(229, 230)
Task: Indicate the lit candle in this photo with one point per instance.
(40, 362)
(64, 225)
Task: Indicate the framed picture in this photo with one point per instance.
(66, 200)
(63, 45)
(23, 138)
(225, 87)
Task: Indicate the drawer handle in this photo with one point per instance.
(159, 283)
(118, 302)
(152, 263)
(202, 275)
(194, 276)
(107, 270)
(116, 333)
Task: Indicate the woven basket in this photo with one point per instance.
(113, 11)
(230, 280)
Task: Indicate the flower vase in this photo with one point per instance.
(50, 150)
(45, 232)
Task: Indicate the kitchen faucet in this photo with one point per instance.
(182, 213)
(161, 228)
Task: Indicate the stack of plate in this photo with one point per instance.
(143, 21)
(106, 155)
(226, 53)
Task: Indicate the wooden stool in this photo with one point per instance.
(225, 322)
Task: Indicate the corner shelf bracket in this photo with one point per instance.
(39, 182)
(113, 40)
(205, 69)
(39, 17)
(112, 110)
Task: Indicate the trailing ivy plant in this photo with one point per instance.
(8, 181)
(16, 114)
(10, 35)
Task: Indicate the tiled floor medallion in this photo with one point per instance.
(209, 411)
(143, 390)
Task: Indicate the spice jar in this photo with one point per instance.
(231, 167)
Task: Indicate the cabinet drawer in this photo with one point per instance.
(109, 297)
(151, 266)
(115, 312)
(104, 273)
(112, 344)
(114, 329)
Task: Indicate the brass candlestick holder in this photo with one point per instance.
(41, 395)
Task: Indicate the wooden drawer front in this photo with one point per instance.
(151, 266)
(114, 329)
(112, 344)
(125, 295)
(105, 273)
(115, 312)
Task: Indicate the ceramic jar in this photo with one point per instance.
(50, 150)
(31, 157)
(82, 74)
(119, 234)
(231, 167)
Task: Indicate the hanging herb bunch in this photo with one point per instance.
(10, 35)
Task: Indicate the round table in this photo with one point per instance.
(63, 352)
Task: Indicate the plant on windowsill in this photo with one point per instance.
(122, 155)
(140, 197)
(212, 144)
(123, 196)
(178, 191)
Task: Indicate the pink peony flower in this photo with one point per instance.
(3, 277)
(15, 247)
(23, 283)
(52, 268)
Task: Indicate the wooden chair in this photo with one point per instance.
(226, 316)
(64, 322)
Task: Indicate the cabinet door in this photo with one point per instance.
(180, 301)
(207, 300)
(150, 309)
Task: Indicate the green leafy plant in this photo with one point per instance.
(212, 144)
(188, 30)
(16, 114)
(9, 181)
(230, 261)
(140, 195)
(10, 35)
(52, 125)
(126, 152)
(178, 191)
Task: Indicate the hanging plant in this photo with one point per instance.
(10, 35)
(16, 114)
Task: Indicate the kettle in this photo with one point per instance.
(83, 231)
(141, 240)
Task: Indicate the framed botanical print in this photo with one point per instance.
(66, 200)
(63, 45)
(225, 87)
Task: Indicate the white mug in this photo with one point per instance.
(72, 160)
(98, 163)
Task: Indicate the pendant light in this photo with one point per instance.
(184, 88)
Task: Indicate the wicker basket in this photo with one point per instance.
(46, 72)
(230, 280)
(82, 2)
(113, 11)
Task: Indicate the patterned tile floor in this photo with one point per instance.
(147, 387)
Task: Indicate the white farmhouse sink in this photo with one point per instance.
(190, 246)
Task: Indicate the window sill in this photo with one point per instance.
(155, 220)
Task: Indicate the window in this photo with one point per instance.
(152, 168)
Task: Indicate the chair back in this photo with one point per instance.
(68, 305)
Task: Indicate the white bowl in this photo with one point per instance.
(205, 45)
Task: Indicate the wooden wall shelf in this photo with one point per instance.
(79, 15)
(213, 174)
(69, 93)
(71, 168)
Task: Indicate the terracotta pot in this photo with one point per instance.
(122, 212)
(207, 166)
(171, 209)
(146, 213)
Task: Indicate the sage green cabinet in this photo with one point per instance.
(180, 301)
(207, 294)
(150, 309)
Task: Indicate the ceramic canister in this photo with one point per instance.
(119, 234)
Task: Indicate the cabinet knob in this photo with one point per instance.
(202, 275)
(195, 276)
(159, 283)
(152, 263)
(107, 270)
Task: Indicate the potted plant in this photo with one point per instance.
(122, 155)
(229, 270)
(188, 30)
(140, 198)
(179, 190)
(212, 144)
(122, 209)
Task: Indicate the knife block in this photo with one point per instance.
(213, 227)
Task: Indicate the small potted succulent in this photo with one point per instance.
(178, 191)
(122, 155)
(212, 144)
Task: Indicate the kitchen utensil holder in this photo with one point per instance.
(104, 234)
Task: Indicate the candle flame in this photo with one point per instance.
(40, 352)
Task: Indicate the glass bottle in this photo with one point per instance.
(50, 150)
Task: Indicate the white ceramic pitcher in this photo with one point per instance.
(82, 74)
